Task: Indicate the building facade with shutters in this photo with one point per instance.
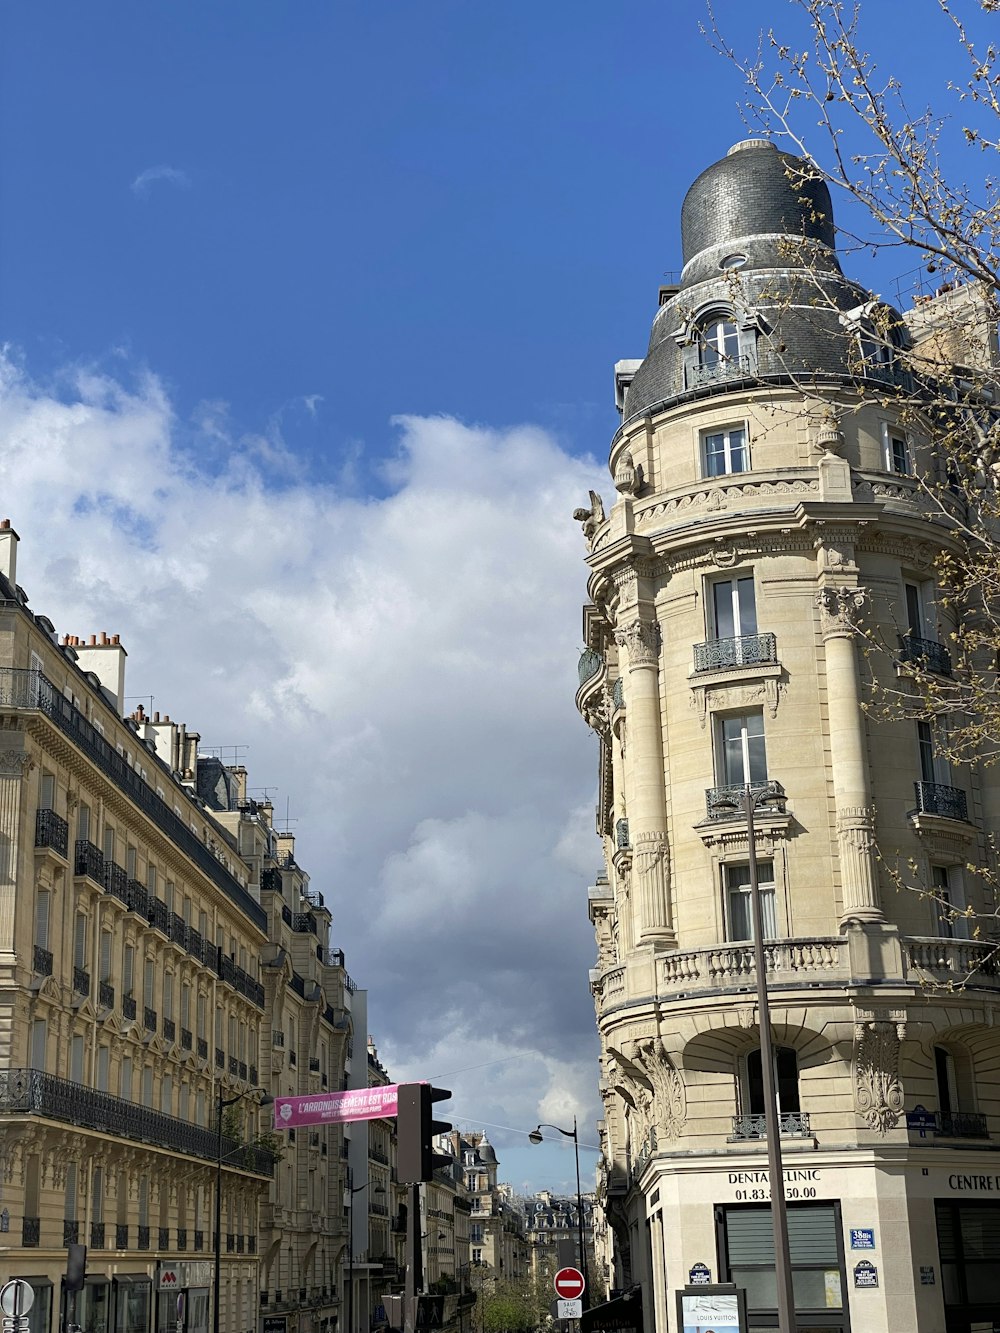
(767, 497)
(130, 997)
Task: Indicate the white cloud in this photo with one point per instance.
(145, 180)
(401, 668)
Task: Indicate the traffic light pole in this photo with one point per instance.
(414, 1262)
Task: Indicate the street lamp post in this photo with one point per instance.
(221, 1104)
(351, 1191)
(536, 1136)
(750, 798)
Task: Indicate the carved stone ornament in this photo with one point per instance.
(669, 1107)
(628, 477)
(641, 640)
(841, 607)
(591, 518)
(878, 1092)
(605, 936)
(767, 692)
(14, 763)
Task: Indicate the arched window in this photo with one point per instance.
(718, 342)
(752, 1123)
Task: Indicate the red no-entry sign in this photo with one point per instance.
(568, 1283)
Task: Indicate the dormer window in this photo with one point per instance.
(718, 341)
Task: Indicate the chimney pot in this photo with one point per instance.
(93, 641)
(5, 524)
(104, 637)
(116, 639)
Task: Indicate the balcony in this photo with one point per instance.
(791, 1125)
(304, 923)
(149, 1019)
(253, 1076)
(934, 798)
(41, 962)
(106, 994)
(927, 654)
(953, 964)
(31, 690)
(121, 1236)
(220, 1058)
(25, 1092)
(137, 897)
(97, 1235)
(717, 372)
(330, 957)
(163, 1238)
(169, 1029)
(729, 654)
(727, 802)
(811, 961)
(178, 930)
(199, 1240)
(202, 1048)
(31, 1231)
(81, 982)
(143, 1241)
(128, 1007)
(961, 1125)
(187, 1040)
(234, 1067)
(52, 831)
(88, 860)
(71, 1231)
(115, 881)
(622, 835)
(182, 1238)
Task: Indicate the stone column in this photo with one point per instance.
(851, 786)
(647, 808)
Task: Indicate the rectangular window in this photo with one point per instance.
(148, 983)
(104, 966)
(71, 1173)
(83, 823)
(185, 1005)
(814, 1248)
(739, 919)
(125, 1080)
(128, 970)
(80, 941)
(897, 454)
(76, 1052)
(103, 1067)
(930, 765)
(147, 1086)
(168, 995)
(741, 755)
(725, 452)
(734, 608)
(151, 880)
(200, 1009)
(109, 844)
(915, 620)
(42, 904)
(47, 792)
(131, 860)
(969, 1249)
(97, 1194)
(39, 1036)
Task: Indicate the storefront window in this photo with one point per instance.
(40, 1314)
(92, 1307)
(132, 1305)
(969, 1248)
(814, 1248)
(197, 1310)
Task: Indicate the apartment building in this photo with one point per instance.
(767, 494)
(130, 998)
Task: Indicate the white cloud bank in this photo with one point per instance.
(402, 668)
(162, 174)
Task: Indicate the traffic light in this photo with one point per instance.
(76, 1267)
(415, 1128)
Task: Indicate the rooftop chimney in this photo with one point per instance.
(8, 551)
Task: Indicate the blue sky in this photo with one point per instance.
(311, 311)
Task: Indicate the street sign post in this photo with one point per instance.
(16, 1299)
(569, 1284)
(569, 1309)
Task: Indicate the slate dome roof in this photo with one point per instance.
(759, 244)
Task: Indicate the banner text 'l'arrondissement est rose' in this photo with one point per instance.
(335, 1108)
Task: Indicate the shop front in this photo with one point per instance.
(182, 1296)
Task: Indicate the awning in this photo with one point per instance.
(623, 1315)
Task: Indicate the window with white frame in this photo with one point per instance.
(725, 451)
(718, 341)
(934, 767)
(896, 450)
(733, 608)
(739, 916)
(740, 753)
(948, 902)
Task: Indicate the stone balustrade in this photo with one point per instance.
(732, 965)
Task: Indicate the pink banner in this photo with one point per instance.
(334, 1108)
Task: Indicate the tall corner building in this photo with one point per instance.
(766, 491)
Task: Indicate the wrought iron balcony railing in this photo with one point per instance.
(187, 1040)
(88, 860)
(961, 1125)
(220, 1058)
(199, 1240)
(97, 1235)
(621, 835)
(149, 1019)
(33, 1092)
(42, 962)
(202, 1048)
(143, 1241)
(137, 897)
(32, 690)
(303, 923)
(31, 1232)
(169, 1029)
(128, 1007)
(116, 882)
(71, 1231)
(925, 653)
(121, 1235)
(589, 665)
(330, 957)
(934, 798)
(253, 1075)
(182, 1238)
(746, 650)
(791, 1125)
(251, 1244)
(727, 802)
(618, 693)
(81, 981)
(726, 368)
(163, 1238)
(51, 831)
(106, 994)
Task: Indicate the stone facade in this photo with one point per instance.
(750, 531)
